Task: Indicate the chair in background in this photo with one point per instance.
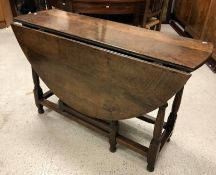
(153, 14)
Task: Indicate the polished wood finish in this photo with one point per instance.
(100, 81)
(109, 87)
(108, 6)
(145, 44)
(200, 23)
(182, 10)
(19, 7)
(102, 7)
(5, 14)
(197, 19)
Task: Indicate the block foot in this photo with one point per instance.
(150, 168)
(40, 110)
(112, 149)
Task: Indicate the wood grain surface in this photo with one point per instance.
(181, 53)
(95, 81)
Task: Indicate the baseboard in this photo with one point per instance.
(211, 63)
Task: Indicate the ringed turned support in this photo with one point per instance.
(155, 144)
(113, 134)
(38, 93)
(173, 115)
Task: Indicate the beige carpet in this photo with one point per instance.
(32, 144)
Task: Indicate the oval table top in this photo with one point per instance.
(173, 51)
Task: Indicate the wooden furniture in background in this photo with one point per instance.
(5, 13)
(209, 33)
(110, 7)
(117, 10)
(13, 7)
(182, 10)
(105, 72)
(20, 7)
(198, 19)
(147, 13)
(103, 7)
(153, 14)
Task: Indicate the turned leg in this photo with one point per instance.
(38, 93)
(112, 136)
(156, 140)
(173, 115)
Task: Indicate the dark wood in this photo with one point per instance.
(98, 126)
(212, 64)
(178, 28)
(61, 4)
(173, 115)
(108, 6)
(40, 5)
(19, 7)
(132, 145)
(149, 119)
(182, 10)
(113, 135)
(197, 19)
(38, 93)
(47, 94)
(102, 7)
(209, 33)
(111, 130)
(82, 121)
(169, 11)
(101, 126)
(112, 7)
(155, 144)
(96, 122)
(166, 49)
(98, 82)
(153, 14)
(109, 87)
(165, 137)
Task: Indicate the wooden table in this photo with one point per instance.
(103, 7)
(103, 72)
(197, 20)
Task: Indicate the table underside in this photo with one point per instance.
(109, 128)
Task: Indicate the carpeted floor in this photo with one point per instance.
(32, 144)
